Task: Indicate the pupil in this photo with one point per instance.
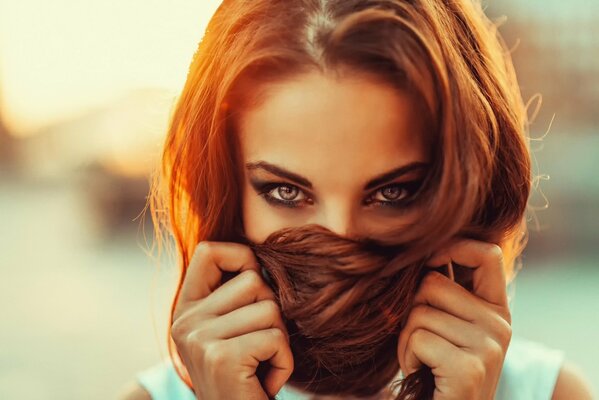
(391, 193)
(286, 192)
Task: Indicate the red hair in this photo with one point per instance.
(447, 53)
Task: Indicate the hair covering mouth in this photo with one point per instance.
(343, 319)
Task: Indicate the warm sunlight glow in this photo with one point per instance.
(63, 57)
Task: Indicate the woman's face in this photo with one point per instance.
(346, 153)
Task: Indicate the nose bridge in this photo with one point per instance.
(338, 217)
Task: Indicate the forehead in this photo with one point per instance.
(340, 130)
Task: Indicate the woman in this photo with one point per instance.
(389, 119)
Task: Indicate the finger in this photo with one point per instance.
(440, 292)
(271, 345)
(246, 288)
(460, 333)
(425, 347)
(253, 317)
(209, 260)
(486, 259)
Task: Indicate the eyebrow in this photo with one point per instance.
(300, 180)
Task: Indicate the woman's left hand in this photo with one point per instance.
(462, 336)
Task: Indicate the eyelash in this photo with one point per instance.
(265, 188)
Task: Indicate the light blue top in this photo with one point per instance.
(530, 370)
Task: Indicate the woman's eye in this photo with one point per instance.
(285, 193)
(396, 194)
(393, 193)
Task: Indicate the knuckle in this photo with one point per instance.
(203, 250)
(432, 279)
(179, 330)
(495, 251)
(194, 345)
(272, 308)
(214, 355)
(248, 254)
(505, 334)
(493, 351)
(188, 334)
(204, 247)
(420, 310)
(199, 335)
(417, 337)
(418, 313)
(278, 334)
(251, 279)
(502, 328)
(475, 369)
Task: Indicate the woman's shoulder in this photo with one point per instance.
(534, 370)
(530, 371)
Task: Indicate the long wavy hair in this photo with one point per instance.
(447, 53)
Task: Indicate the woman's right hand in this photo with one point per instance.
(222, 332)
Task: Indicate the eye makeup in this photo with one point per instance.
(264, 189)
(410, 188)
(408, 191)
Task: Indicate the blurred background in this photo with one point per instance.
(86, 89)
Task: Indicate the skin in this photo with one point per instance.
(339, 133)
